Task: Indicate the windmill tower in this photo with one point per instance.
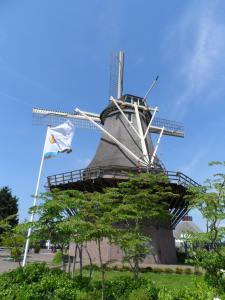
(126, 124)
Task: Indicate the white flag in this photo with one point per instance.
(59, 139)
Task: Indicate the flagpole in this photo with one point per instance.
(34, 204)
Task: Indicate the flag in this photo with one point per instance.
(58, 139)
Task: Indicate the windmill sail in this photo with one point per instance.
(54, 118)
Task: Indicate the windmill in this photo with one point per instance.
(126, 124)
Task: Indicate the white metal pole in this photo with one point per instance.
(151, 87)
(156, 147)
(120, 75)
(112, 137)
(150, 123)
(123, 114)
(143, 144)
(34, 203)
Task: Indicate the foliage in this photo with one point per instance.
(116, 214)
(8, 206)
(14, 240)
(208, 249)
(37, 281)
(58, 258)
(121, 287)
(37, 248)
(142, 198)
(200, 292)
(179, 270)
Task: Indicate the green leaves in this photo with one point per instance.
(117, 214)
(208, 250)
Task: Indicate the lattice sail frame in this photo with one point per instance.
(53, 118)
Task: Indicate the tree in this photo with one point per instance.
(143, 197)
(117, 214)
(13, 238)
(53, 214)
(208, 248)
(8, 206)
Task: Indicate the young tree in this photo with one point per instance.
(208, 249)
(13, 238)
(55, 210)
(67, 216)
(143, 197)
(116, 214)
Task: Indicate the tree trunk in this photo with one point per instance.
(91, 265)
(69, 263)
(63, 259)
(81, 259)
(102, 268)
(136, 268)
(74, 262)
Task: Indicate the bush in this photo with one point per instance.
(168, 270)
(121, 287)
(35, 282)
(199, 292)
(58, 258)
(157, 270)
(197, 272)
(16, 253)
(188, 271)
(147, 269)
(139, 294)
(179, 270)
(37, 248)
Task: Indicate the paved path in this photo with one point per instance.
(6, 264)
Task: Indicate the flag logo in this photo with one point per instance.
(59, 139)
(52, 139)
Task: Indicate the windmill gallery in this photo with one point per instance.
(125, 146)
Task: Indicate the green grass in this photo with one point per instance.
(175, 281)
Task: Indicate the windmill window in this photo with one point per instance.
(128, 99)
(141, 102)
(130, 117)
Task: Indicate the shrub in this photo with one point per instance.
(147, 269)
(35, 282)
(93, 267)
(139, 294)
(58, 258)
(168, 270)
(188, 271)
(121, 287)
(179, 270)
(16, 253)
(157, 270)
(37, 248)
(197, 272)
(199, 292)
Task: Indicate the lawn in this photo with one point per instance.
(176, 281)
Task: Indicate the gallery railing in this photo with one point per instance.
(112, 172)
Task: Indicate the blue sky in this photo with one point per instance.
(56, 54)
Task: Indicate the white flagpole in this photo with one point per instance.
(34, 203)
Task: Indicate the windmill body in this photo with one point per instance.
(110, 153)
(126, 124)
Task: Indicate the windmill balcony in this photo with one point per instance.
(95, 179)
